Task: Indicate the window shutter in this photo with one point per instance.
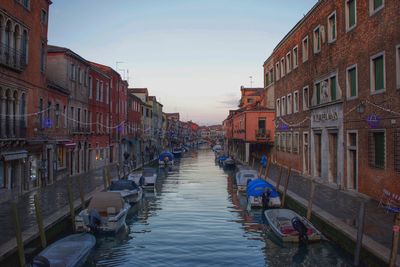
(377, 3)
(379, 73)
(352, 13)
(353, 82)
(379, 139)
(318, 85)
(333, 88)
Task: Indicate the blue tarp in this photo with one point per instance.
(222, 158)
(258, 186)
(165, 154)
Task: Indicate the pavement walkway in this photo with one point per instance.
(342, 204)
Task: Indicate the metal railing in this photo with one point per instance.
(262, 134)
(12, 57)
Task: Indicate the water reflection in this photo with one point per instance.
(196, 217)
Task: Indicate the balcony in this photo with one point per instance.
(79, 129)
(12, 58)
(12, 130)
(262, 134)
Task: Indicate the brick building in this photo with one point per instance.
(99, 107)
(336, 78)
(69, 70)
(23, 40)
(135, 128)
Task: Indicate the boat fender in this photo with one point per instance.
(94, 219)
(299, 226)
(40, 261)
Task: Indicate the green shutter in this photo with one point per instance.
(378, 3)
(353, 82)
(352, 13)
(333, 88)
(379, 139)
(379, 84)
(317, 87)
(334, 28)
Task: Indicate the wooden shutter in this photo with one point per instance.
(377, 3)
(353, 82)
(379, 138)
(333, 88)
(378, 62)
(352, 12)
(318, 91)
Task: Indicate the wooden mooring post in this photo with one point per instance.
(39, 221)
(252, 165)
(395, 241)
(285, 187)
(267, 169)
(360, 232)
(81, 192)
(278, 181)
(71, 205)
(18, 235)
(310, 200)
(105, 179)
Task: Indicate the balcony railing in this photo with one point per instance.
(12, 57)
(80, 129)
(262, 134)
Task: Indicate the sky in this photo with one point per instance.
(193, 55)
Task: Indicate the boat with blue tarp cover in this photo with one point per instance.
(166, 158)
(255, 190)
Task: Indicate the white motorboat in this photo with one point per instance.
(136, 177)
(128, 190)
(166, 158)
(70, 251)
(229, 163)
(243, 177)
(106, 213)
(290, 226)
(149, 177)
(177, 151)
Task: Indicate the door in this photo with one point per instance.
(333, 148)
(306, 155)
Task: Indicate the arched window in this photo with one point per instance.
(8, 113)
(7, 42)
(17, 45)
(14, 109)
(22, 111)
(24, 48)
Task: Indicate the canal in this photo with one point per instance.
(196, 218)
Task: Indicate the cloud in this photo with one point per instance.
(229, 101)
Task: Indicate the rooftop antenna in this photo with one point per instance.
(251, 81)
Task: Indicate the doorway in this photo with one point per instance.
(352, 162)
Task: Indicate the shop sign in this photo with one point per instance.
(326, 116)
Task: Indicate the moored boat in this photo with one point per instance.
(177, 151)
(165, 158)
(243, 177)
(229, 163)
(106, 213)
(255, 190)
(149, 177)
(136, 177)
(129, 190)
(291, 227)
(70, 251)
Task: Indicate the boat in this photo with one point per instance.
(106, 213)
(128, 190)
(217, 148)
(221, 159)
(243, 177)
(284, 223)
(165, 158)
(70, 251)
(149, 177)
(177, 151)
(229, 163)
(255, 190)
(136, 177)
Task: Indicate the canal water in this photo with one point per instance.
(197, 218)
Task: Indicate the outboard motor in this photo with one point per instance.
(299, 226)
(94, 220)
(40, 261)
(265, 198)
(166, 160)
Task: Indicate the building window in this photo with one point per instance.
(295, 58)
(282, 67)
(289, 142)
(61, 157)
(317, 94)
(317, 40)
(97, 90)
(90, 87)
(304, 49)
(26, 3)
(289, 104)
(375, 6)
(352, 160)
(101, 97)
(107, 92)
(278, 107)
(278, 141)
(283, 110)
(277, 72)
(397, 150)
(376, 149)
(318, 152)
(250, 100)
(283, 141)
(288, 62)
(57, 113)
(306, 98)
(73, 72)
(295, 147)
(351, 14)
(378, 73)
(43, 17)
(398, 66)
(352, 82)
(332, 27)
(42, 57)
(296, 101)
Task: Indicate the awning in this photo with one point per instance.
(70, 145)
(14, 155)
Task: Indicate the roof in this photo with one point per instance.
(139, 90)
(60, 49)
(105, 68)
(95, 68)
